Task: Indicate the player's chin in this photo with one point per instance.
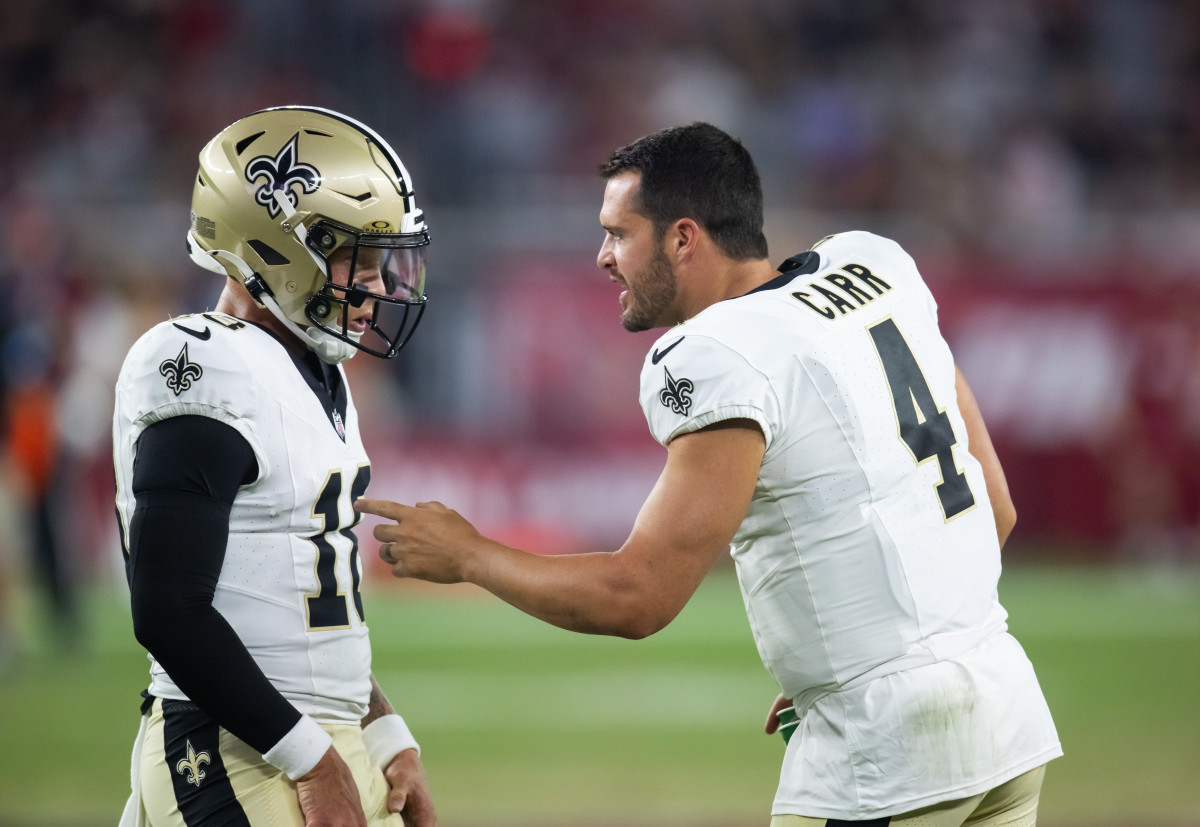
(633, 321)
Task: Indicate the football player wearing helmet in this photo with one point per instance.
(818, 431)
(238, 460)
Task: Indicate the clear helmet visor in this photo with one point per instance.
(375, 294)
(396, 273)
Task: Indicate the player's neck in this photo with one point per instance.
(745, 276)
(727, 279)
(236, 302)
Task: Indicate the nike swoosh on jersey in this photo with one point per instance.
(657, 355)
(202, 335)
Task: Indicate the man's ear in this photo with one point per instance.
(682, 239)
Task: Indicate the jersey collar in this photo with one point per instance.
(800, 264)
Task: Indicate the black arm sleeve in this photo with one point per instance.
(185, 476)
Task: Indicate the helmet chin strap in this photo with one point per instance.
(328, 348)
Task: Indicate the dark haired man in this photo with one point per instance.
(816, 426)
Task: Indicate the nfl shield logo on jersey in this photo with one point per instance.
(338, 426)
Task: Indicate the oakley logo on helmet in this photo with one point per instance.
(280, 173)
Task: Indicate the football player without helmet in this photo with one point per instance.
(286, 198)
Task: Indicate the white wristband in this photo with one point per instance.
(387, 737)
(299, 751)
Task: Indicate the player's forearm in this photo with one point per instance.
(385, 734)
(173, 575)
(238, 695)
(377, 705)
(632, 592)
(594, 593)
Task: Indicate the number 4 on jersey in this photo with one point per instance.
(924, 428)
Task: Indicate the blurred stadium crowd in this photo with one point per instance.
(1040, 159)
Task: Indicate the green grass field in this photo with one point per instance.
(524, 724)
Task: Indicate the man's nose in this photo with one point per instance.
(604, 259)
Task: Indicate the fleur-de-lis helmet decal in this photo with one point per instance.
(281, 173)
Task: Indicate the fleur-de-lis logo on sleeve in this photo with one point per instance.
(180, 372)
(189, 767)
(676, 395)
(281, 173)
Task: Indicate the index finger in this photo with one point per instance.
(381, 508)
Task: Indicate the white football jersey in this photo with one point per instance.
(868, 558)
(289, 584)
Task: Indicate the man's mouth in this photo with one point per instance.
(620, 282)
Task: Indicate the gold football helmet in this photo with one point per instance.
(285, 199)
